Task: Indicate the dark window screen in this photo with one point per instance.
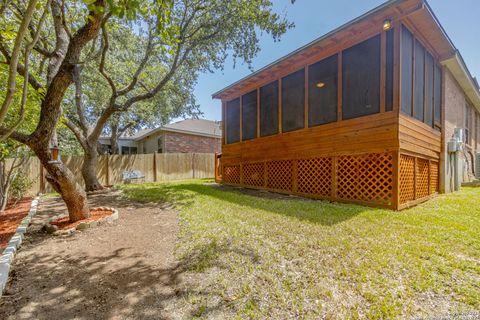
(407, 71)
(428, 90)
(269, 109)
(322, 91)
(233, 121)
(293, 101)
(361, 79)
(249, 115)
(389, 72)
(419, 81)
(437, 96)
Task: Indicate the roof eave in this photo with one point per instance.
(456, 65)
(217, 94)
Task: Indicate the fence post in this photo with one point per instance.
(42, 177)
(107, 174)
(155, 166)
(193, 165)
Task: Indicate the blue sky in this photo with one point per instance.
(314, 18)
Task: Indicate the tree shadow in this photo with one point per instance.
(47, 285)
(322, 212)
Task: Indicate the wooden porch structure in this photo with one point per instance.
(378, 143)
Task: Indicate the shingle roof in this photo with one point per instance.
(201, 127)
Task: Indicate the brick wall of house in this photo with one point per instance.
(454, 117)
(179, 142)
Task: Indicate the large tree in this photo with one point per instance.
(92, 109)
(140, 63)
(190, 33)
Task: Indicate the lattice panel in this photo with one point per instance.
(231, 174)
(421, 180)
(433, 177)
(407, 178)
(253, 174)
(347, 172)
(375, 178)
(280, 175)
(367, 178)
(315, 176)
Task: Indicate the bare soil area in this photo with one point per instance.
(122, 271)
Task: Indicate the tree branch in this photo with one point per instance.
(78, 99)
(12, 73)
(140, 68)
(101, 67)
(77, 132)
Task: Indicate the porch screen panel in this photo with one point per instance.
(269, 109)
(437, 96)
(322, 91)
(293, 101)
(429, 74)
(233, 121)
(407, 71)
(249, 115)
(361, 79)
(419, 81)
(389, 72)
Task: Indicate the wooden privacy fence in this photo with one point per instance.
(155, 167)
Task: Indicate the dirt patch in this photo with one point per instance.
(11, 218)
(64, 223)
(122, 271)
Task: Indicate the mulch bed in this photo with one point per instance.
(95, 214)
(11, 218)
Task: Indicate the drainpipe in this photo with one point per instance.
(455, 146)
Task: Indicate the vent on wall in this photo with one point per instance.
(477, 165)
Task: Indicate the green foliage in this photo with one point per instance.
(19, 186)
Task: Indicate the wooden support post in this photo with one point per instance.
(415, 164)
(396, 180)
(339, 88)
(265, 175)
(295, 175)
(383, 69)
(334, 176)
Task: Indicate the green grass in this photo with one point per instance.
(259, 257)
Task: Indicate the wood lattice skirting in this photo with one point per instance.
(366, 178)
(419, 179)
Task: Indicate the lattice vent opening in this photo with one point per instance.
(315, 176)
(254, 174)
(280, 175)
(231, 174)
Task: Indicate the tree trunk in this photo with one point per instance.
(63, 181)
(113, 139)
(89, 169)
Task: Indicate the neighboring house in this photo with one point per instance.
(191, 135)
(362, 114)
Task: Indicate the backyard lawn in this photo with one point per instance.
(262, 255)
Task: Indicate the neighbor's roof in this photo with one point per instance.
(201, 127)
(451, 56)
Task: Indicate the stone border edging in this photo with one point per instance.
(8, 254)
(52, 229)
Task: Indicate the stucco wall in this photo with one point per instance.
(179, 142)
(454, 117)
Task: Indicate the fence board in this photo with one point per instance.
(169, 166)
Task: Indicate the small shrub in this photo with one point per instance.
(20, 185)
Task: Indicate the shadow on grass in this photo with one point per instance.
(183, 194)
